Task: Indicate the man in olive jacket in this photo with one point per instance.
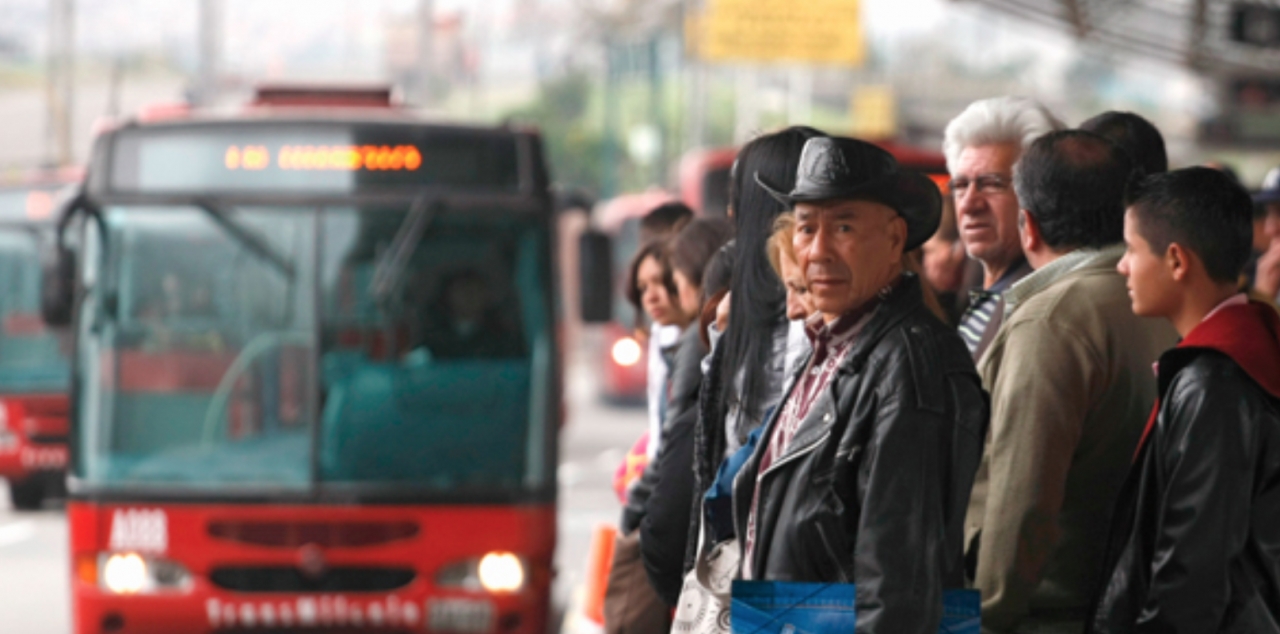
(863, 473)
(1071, 384)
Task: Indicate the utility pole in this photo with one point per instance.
(695, 129)
(210, 39)
(426, 45)
(60, 82)
(746, 120)
(609, 153)
(657, 105)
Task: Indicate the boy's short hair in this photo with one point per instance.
(1201, 209)
(779, 244)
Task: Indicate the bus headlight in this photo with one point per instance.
(495, 572)
(501, 572)
(131, 573)
(626, 352)
(125, 574)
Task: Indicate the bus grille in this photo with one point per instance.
(322, 534)
(288, 579)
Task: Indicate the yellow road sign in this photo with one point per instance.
(813, 31)
(874, 112)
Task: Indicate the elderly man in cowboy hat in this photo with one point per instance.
(863, 473)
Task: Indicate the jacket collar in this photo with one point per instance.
(1247, 333)
(1045, 276)
(894, 307)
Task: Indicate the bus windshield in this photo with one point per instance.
(306, 349)
(32, 358)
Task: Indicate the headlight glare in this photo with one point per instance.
(626, 352)
(495, 572)
(132, 573)
(125, 573)
(501, 572)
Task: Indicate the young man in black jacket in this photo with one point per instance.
(1195, 537)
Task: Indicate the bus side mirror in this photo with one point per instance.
(565, 200)
(58, 274)
(57, 288)
(595, 268)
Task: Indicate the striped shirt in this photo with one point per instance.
(984, 303)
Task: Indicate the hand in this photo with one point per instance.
(1267, 278)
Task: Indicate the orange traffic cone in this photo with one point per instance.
(599, 562)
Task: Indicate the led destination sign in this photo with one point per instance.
(311, 158)
(324, 157)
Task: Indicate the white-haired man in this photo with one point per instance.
(982, 145)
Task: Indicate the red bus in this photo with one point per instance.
(316, 382)
(703, 179)
(34, 371)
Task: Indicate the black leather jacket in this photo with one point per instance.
(1195, 539)
(873, 487)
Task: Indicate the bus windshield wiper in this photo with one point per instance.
(392, 265)
(251, 239)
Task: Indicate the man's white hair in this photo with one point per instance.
(997, 120)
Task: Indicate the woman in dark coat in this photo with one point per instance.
(665, 524)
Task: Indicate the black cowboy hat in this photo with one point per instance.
(839, 168)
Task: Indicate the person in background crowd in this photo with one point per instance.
(944, 265)
(982, 144)
(863, 474)
(631, 606)
(660, 223)
(1134, 135)
(745, 374)
(1266, 277)
(1194, 539)
(782, 257)
(664, 527)
(1070, 379)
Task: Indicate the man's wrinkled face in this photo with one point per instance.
(986, 205)
(848, 250)
(799, 303)
(1152, 289)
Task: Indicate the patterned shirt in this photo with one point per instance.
(831, 342)
(983, 304)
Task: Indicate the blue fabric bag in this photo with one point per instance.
(718, 501)
(786, 607)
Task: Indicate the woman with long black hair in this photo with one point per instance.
(747, 369)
